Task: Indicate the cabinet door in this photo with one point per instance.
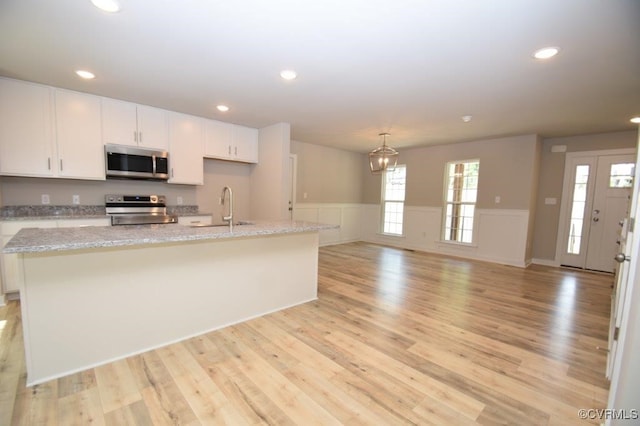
(153, 128)
(119, 122)
(79, 142)
(245, 144)
(218, 139)
(26, 129)
(186, 149)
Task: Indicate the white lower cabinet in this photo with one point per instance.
(195, 220)
(9, 265)
(81, 223)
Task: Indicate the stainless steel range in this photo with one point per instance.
(138, 209)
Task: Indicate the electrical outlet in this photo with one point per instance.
(179, 201)
(76, 199)
(45, 199)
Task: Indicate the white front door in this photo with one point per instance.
(614, 178)
(597, 192)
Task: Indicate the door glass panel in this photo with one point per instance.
(577, 209)
(621, 175)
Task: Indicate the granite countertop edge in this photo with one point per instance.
(42, 240)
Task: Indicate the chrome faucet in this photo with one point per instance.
(230, 216)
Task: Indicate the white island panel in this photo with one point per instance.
(83, 308)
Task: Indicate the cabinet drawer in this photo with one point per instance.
(79, 223)
(194, 220)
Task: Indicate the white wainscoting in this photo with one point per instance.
(347, 216)
(501, 234)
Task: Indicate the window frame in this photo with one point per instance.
(445, 202)
(384, 201)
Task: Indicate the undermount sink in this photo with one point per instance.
(213, 225)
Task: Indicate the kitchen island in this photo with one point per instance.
(97, 294)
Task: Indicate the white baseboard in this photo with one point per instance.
(545, 262)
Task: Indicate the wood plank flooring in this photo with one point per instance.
(396, 337)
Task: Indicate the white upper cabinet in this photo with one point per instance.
(230, 142)
(245, 140)
(153, 127)
(126, 123)
(47, 132)
(78, 136)
(26, 129)
(186, 149)
(217, 139)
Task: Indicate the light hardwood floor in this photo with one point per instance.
(395, 337)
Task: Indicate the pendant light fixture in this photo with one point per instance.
(383, 158)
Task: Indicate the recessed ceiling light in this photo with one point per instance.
(546, 53)
(288, 74)
(87, 75)
(111, 6)
(635, 120)
(222, 108)
(466, 118)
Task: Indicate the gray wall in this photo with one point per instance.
(328, 175)
(507, 169)
(550, 183)
(217, 175)
(270, 178)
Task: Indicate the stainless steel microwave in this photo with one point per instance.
(130, 162)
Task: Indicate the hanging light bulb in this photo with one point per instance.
(383, 158)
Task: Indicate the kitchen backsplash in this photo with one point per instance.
(76, 210)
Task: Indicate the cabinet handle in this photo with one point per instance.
(236, 150)
(61, 168)
(172, 172)
(140, 137)
(135, 136)
(49, 163)
(229, 149)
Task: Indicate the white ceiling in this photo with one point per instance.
(408, 67)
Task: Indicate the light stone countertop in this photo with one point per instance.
(37, 240)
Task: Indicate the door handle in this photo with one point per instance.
(596, 219)
(621, 257)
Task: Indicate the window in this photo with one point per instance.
(393, 188)
(621, 175)
(461, 190)
(577, 208)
